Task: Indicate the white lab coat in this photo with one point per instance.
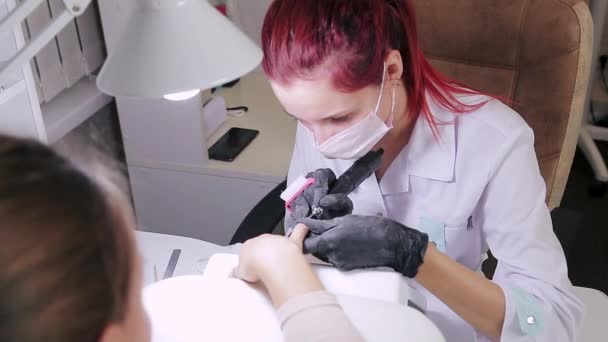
(478, 187)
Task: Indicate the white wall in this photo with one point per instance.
(248, 15)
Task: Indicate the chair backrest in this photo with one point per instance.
(536, 53)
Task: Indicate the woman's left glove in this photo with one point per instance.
(317, 196)
(354, 242)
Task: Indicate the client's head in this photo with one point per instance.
(69, 270)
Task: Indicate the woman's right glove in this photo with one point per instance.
(354, 242)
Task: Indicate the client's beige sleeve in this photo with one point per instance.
(316, 317)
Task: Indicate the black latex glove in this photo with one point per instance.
(354, 242)
(316, 195)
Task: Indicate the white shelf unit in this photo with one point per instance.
(24, 111)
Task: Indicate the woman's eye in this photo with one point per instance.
(340, 119)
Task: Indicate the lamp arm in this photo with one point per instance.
(73, 8)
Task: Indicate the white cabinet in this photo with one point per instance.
(161, 131)
(200, 206)
(176, 189)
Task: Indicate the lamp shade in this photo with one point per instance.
(175, 46)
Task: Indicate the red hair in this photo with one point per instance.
(352, 38)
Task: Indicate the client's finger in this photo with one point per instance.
(239, 272)
(317, 226)
(298, 234)
(235, 273)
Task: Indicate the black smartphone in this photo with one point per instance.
(232, 144)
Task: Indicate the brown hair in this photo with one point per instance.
(65, 255)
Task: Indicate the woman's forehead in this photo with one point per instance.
(316, 99)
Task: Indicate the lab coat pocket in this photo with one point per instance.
(435, 229)
(463, 243)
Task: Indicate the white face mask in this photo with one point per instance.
(355, 141)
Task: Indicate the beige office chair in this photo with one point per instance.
(536, 54)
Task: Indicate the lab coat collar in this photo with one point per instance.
(425, 156)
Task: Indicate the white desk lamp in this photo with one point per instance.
(170, 48)
(176, 46)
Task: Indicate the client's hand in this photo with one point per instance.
(278, 263)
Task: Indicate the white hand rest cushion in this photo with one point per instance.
(387, 286)
(198, 308)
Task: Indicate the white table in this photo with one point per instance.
(189, 309)
(156, 250)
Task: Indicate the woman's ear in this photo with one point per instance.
(394, 65)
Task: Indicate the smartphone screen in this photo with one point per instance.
(231, 144)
